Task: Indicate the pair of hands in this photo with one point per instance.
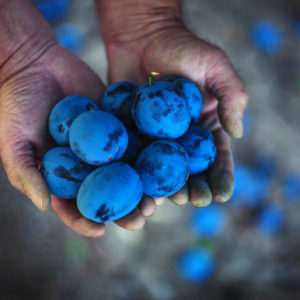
(27, 96)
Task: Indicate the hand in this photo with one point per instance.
(31, 83)
(175, 51)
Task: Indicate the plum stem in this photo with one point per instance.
(152, 74)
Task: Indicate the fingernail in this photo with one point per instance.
(37, 198)
(200, 194)
(238, 127)
(223, 188)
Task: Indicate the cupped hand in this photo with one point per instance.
(176, 52)
(27, 95)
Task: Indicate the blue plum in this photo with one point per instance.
(64, 172)
(271, 220)
(291, 187)
(161, 110)
(163, 167)
(118, 97)
(63, 114)
(196, 265)
(71, 37)
(192, 93)
(54, 10)
(266, 37)
(209, 221)
(97, 137)
(251, 188)
(110, 192)
(133, 148)
(199, 145)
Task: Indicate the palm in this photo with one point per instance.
(26, 101)
(180, 53)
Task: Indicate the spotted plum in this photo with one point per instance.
(192, 93)
(163, 167)
(161, 110)
(98, 137)
(64, 172)
(110, 192)
(199, 144)
(118, 97)
(63, 114)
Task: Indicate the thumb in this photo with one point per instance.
(20, 166)
(225, 84)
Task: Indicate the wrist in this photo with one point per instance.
(134, 21)
(25, 36)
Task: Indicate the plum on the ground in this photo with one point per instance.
(54, 10)
(110, 192)
(161, 110)
(209, 221)
(71, 37)
(199, 145)
(191, 92)
(196, 265)
(271, 220)
(266, 37)
(63, 114)
(118, 97)
(163, 167)
(64, 172)
(97, 137)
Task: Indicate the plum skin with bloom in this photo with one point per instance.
(161, 110)
(98, 137)
(64, 172)
(199, 144)
(191, 92)
(63, 114)
(110, 192)
(163, 167)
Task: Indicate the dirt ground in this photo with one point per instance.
(42, 259)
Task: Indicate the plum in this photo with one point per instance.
(161, 110)
(163, 167)
(64, 172)
(97, 137)
(199, 145)
(118, 97)
(63, 114)
(196, 265)
(133, 148)
(110, 192)
(192, 93)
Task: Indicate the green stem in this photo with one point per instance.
(152, 74)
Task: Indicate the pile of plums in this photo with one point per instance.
(139, 141)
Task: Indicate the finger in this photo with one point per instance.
(200, 194)
(133, 221)
(159, 201)
(147, 206)
(20, 166)
(221, 172)
(181, 197)
(67, 210)
(225, 84)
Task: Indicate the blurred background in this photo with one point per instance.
(248, 248)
